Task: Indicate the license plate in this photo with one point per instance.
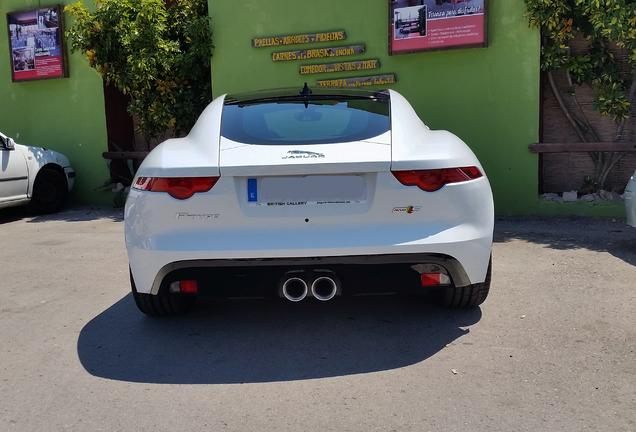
(323, 189)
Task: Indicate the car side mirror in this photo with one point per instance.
(9, 144)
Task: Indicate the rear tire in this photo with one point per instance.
(50, 192)
(158, 305)
(464, 297)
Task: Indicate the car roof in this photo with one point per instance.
(314, 93)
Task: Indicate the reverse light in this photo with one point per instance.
(177, 187)
(434, 179)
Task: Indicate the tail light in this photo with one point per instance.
(177, 187)
(434, 179)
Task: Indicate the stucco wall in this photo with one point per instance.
(66, 115)
(487, 96)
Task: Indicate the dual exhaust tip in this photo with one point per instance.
(322, 284)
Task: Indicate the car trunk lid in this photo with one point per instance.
(372, 155)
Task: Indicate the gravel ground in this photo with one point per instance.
(552, 349)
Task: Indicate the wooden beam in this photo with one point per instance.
(125, 155)
(628, 146)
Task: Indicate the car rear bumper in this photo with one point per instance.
(213, 228)
(357, 274)
(70, 177)
(465, 261)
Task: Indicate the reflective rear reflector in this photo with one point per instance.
(177, 187)
(187, 286)
(434, 179)
(430, 279)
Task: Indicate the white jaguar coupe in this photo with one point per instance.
(309, 194)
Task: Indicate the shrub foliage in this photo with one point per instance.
(159, 56)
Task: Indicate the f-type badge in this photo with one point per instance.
(300, 154)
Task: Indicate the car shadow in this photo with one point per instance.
(67, 214)
(265, 340)
(609, 235)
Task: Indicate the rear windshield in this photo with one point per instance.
(305, 121)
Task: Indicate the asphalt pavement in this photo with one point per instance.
(552, 348)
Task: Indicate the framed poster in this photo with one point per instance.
(36, 42)
(426, 25)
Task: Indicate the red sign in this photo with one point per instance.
(437, 24)
(36, 43)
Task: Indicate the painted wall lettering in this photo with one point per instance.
(298, 39)
(340, 67)
(359, 82)
(318, 53)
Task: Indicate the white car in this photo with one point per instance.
(33, 176)
(309, 194)
(630, 201)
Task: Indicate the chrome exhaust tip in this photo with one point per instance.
(324, 288)
(295, 289)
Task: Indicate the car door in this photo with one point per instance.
(14, 180)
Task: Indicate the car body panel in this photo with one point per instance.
(227, 231)
(415, 146)
(19, 167)
(14, 177)
(253, 160)
(194, 155)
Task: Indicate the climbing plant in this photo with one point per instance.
(159, 56)
(604, 24)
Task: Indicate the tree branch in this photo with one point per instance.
(585, 123)
(630, 99)
(565, 109)
(615, 157)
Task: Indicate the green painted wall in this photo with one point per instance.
(488, 97)
(66, 115)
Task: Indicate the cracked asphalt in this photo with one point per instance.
(552, 349)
